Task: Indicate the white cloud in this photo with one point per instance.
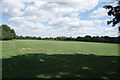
(100, 12)
(72, 27)
(39, 3)
(16, 7)
(12, 8)
(29, 28)
(60, 8)
(30, 20)
(76, 14)
(115, 3)
(75, 22)
(64, 21)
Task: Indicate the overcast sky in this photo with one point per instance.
(57, 18)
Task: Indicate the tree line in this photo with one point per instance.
(87, 38)
(6, 33)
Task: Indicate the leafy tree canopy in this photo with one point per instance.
(113, 11)
(6, 33)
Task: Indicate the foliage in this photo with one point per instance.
(6, 32)
(114, 11)
(87, 38)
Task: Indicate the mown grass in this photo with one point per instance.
(18, 47)
(59, 59)
(61, 66)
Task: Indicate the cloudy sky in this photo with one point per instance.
(57, 17)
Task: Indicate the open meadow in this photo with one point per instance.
(59, 59)
(19, 47)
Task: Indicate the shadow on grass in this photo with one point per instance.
(60, 66)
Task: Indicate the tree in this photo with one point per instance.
(115, 12)
(39, 38)
(6, 32)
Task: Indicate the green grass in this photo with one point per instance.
(59, 59)
(18, 47)
(60, 66)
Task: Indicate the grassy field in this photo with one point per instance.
(18, 47)
(59, 59)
